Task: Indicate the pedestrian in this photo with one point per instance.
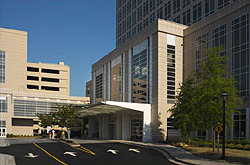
(53, 134)
(50, 136)
(63, 135)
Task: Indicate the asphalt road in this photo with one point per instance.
(87, 154)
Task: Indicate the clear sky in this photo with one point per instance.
(78, 32)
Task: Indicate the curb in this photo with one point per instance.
(165, 153)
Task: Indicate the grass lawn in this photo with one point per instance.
(233, 155)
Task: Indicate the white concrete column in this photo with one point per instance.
(100, 128)
(118, 126)
(125, 126)
(105, 127)
(147, 135)
(91, 127)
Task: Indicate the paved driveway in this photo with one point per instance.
(88, 154)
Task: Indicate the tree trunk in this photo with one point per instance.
(189, 138)
(213, 140)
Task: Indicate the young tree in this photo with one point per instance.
(46, 120)
(183, 112)
(66, 116)
(213, 80)
(199, 104)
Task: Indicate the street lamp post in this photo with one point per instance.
(224, 98)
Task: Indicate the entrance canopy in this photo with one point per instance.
(109, 107)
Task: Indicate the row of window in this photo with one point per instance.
(47, 88)
(189, 16)
(29, 108)
(2, 66)
(171, 7)
(52, 71)
(240, 49)
(34, 78)
(170, 74)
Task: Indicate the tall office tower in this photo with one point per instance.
(132, 16)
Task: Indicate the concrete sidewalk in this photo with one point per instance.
(174, 154)
(6, 159)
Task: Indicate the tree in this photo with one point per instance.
(183, 112)
(202, 105)
(66, 116)
(46, 120)
(213, 80)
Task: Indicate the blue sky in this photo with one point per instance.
(78, 32)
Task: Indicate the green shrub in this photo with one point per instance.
(246, 147)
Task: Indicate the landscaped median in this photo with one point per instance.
(237, 151)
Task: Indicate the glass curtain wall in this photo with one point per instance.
(140, 73)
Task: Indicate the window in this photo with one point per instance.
(124, 11)
(167, 10)
(185, 3)
(134, 18)
(129, 35)
(32, 69)
(220, 38)
(140, 73)
(239, 129)
(134, 31)
(3, 104)
(2, 123)
(152, 5)
(99, 87)
(152, 17)
(159, 2)
(133, 4)
(129, 6)
(223, 3)
(33, 78)
(160, 13)
(187, 17)
(139, 13)
(240, 53)
(176, 6)
(33, 87)
(47, 88)
(50, 79)
(145, 23)
(209, 7)
(124, 26)
(177, 19)
(145, 8)
(201, 44)
(50, 71)
(197, 12)
(170, 74)
(119, 29)
(129, 22)
(119, 15)
(2, 66)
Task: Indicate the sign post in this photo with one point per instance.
(218, 129)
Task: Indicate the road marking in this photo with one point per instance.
(134, 150)
(30, 155)
(86, 150)
(70, 153)
(50, 154)
(113, 151)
